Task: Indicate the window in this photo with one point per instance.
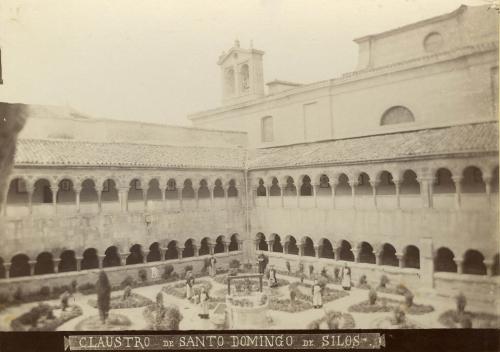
(433, 42)
(267, 129)
(397, 114)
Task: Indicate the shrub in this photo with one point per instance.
(18, 295)
(293, 295)
(86, 288)
(461, 302)
(311, 269)
(128, 281)
(324, 273)
(384, 280)
(171, 318)
(188, 268)
(314, 325)
(362, 280)
(103, 296)
(288, 267)
(409, 298)
(159, 299)
(44, 291)
(126, 293)
(401, 289)
(372, 296)
(336, 273)
(234, 264)
(399, 315)
(333, 320)
(143, 275)
(74, 285)
(168, 271)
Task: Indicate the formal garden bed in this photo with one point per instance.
(45, 317)
(179, 289)
(113, 322)
(162, 317)
(134, 300)
(454, 319)
(333, 320)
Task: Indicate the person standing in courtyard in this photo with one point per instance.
(317, 295)
(346, 277)
(212, 267)
(204, 303)
(189, 285)
(273, 281)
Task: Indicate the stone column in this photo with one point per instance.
(226, 247)
(316, 251)
(225, 198)
(196, 196)
(145, 254)
(30, 190)
(401, 261)
(333, 184)
(211, 247)
(427, 262)
(397, 185)
(374, 192)
(195, 250)
(180, 250)
(314, 189)
(145, 198)
(268, 195)
(163, 198)
(163, 252)
(79, 263)
(101, 257)
(7, 269)
(4, 205)
(297, 196)
(54, 190)
(270, 244)
(56, 262)
(99, 198)
(355, 252)
(426, 191)
(256, 243)
(336, 250)
(282, 191)
(32, 267)
(238, 195)
(487, 183)
(301, 249)
(458, 190)
(77, 194)
(459, 262)
(123, 258)
(240, 245)
(211, 190)
(123, 197)
(489, 263)
(353, 185)
(179, 195)
(378, 257)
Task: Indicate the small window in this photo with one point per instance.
(267, 129)
(395, 115)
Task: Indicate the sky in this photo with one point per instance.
(155, 60)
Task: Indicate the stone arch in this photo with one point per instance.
(473, 263)
(219, 244)
(343, 188)
(388, 255)
(44, 264)
(204, 246)
(68, 261)
(409, 183)
(261, 189)
(324, 188)
(308, 247)
(203, 191)
(135, 190)
(291, 245)
(18, 191)
(42, 192)
(366, 254)
(90, 260)
(218, 189)
(111, 257)
(154, 190)
(154, 254)
(411, 257)
(363, 186)
(345, 252)
(472, 180)
(443, 260)
(135, 256)
(386, 184)
(395, 115)
(171, 191)
(326, 249)
(290, 188)
(232, 191)
(109, 191)
(306, 186)
(188, 248)
(277, 246)
(172, 251)
(233, 243)
(88, 194)
(274, 190)
(261, 242)
(443, 182)
(66, 191)
(188, 190)
(19, 266)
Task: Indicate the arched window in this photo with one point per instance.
(326, 249)
(44, 264)
(308, 247)
(171, 190)
(388, 255)
(203, 191)
(111, 257)
(472, 181)
(154, 254)
(290, 189)
(291, 246)
(204, 247)
(261, 189)
(233, 244)
(386, 185)
(346, 252)
(444, 261)
(409, 184)
(135, 190)
(275, 189)
(324, 186)
(267, 129)
(343, 187)
(172, 252)
(364, 187)
(17, 194)
(306, 188)
(68, 262)
(473, 263)
(90, 259)
(443, 182)
(42, 192)
(188, 249)
(218, 190)
(88, 192)
(262, 244)
(395, 115)
(188, 191)
(219, 245)
(109, 191)
(154, 192)
(277, 246)
(366, 254)
(232, 191)
(66, 193)
(135, 256)
(412, 257)
(19, 266)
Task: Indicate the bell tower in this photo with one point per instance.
(242, 74)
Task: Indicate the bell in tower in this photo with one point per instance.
(242, 74)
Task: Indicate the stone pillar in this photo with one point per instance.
(316, 251)
(79, 263)
(355, 252)
(54, 197)
(99, 199)
(487, 183)
(374, 192)
(401, 260)
(270, 244)
(333, 184)
(458, 190)
(426, 191)
(195, 250)
(426, 262)
(301, 249)
(282, 191)
(268, 195)
(211, 190)
(459, 262)
(163, 198)
(32, 267)
(196, 196)
(256, 243)
(179, 195)
(145, 198)
(7, 269)
(353, 185)
(30, 190)
(211, 247)
(101, 257)
(297, 196)
(240, 245)
(378, 257)
(123, 197)
(226, 247)
(145, 254)
(163, 252)
(77, 194)
(397, 185)
(225, 198)
(123, 258)
(489, 263)
(180, 250)
(314, 189)
(56, 262)
(336, 250)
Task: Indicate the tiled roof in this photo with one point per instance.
(480, 137)
(39, 152)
